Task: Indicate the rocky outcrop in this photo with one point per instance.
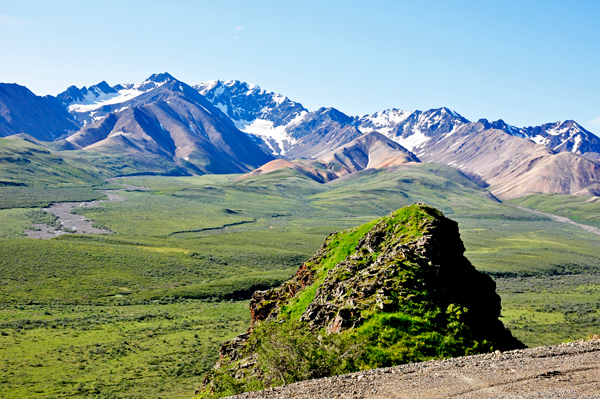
(414, 259)
(410, 266)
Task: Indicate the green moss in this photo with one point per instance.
(412, 335)
(407, 222)
(340, 246)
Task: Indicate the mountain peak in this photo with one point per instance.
(335, 115)
(161, 77)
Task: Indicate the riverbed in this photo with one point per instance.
(69, 223)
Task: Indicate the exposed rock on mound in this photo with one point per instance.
(413, 256)
(399, 287)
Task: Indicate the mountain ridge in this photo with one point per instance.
(235, 127)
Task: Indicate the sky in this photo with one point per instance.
(526, 62)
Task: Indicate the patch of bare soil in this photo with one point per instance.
(570, 370)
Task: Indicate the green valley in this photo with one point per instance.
(141, 312)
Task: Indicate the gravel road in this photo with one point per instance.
(562, 219)
(570, 370)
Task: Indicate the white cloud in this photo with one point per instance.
(7, 20)
(595, 122)
(239, 28)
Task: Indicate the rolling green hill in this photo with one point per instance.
(24, 163)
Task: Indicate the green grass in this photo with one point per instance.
(111, 164)
(23, 163)
(34, 197)
(193, 239)
(160, 350)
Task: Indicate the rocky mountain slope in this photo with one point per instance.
(275, 118)
(494, 153)
(512, 165)
(414, 130)
(44, 118)
(255, 111)
(371, 150)
(399, 287)
(233, 127)
(161, 117)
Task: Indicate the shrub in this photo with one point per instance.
(290, 352)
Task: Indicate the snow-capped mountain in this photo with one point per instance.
(90, 104)
(319, 132)
(418, 130)
(255, 111)
(286, 129)
(560, 136)
(413, 130)
(514, 165)
(564, 136)
(227, 127)
(160, 117)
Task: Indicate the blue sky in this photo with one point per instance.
(527, 62)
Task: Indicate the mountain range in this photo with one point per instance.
(235, 127)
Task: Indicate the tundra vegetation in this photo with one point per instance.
(142, 312)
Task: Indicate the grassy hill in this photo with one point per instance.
(580, 208)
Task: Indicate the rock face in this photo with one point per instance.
(402, 274)
(414, 255)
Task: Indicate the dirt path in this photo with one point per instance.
(561, 219)
(71, 223)
(563, 371)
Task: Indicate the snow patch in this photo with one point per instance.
(220, 90)
(415, 140)
(539, 139)
(264, 128)
(224, 108)
(93, 101)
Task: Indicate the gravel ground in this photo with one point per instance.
(76, 223)
(570, 370)
(72, 222)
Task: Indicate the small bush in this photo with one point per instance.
(290, 352)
